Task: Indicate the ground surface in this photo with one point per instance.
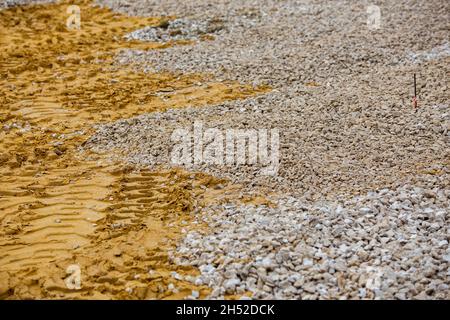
(359, 207)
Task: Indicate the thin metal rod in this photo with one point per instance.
(415, 86)
(415, 93)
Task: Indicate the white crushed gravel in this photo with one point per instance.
(13, 3)
(177, 29)
(279, 43)
(365, 177)
(343, 149)
(389, 244)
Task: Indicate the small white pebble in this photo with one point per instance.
(195, 294)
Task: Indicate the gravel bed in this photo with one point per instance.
(342, 93)
(177, 29)
(344, 149)
(390, 244)
(280, 43)
(364, 176)
(13, 3)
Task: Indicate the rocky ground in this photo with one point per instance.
(341, 93)
(366, 174)
(12, 3)
(360, 205)
(388, 244)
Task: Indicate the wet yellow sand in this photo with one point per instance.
(58, 208)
